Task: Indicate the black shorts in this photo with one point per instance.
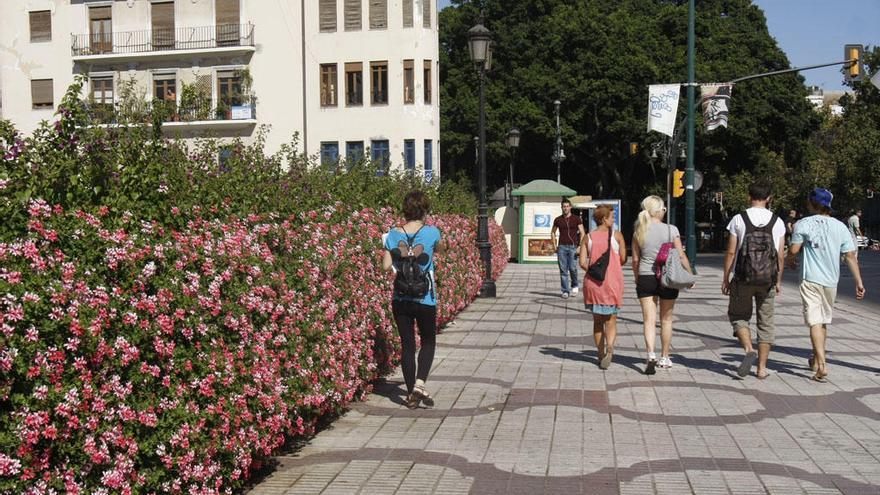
(649, 286)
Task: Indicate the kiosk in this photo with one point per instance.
(539, 203)
(584, 206)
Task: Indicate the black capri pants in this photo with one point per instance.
(408, 315)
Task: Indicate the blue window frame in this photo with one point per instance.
(380, 154)
(409, 154)
(329, 153)
(429, 160)
(354, 152)
(223, 157)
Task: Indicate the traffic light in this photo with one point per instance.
(854, 71)
(633, 149)
(677, 183)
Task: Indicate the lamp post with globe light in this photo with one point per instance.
(480, 45)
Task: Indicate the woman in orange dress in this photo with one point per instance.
(604, 299)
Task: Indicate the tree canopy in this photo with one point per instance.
(598, 57)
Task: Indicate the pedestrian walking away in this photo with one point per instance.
(571, 230)
(602, 255)
(790, 220)
(755, 255)
(855, 229)
(409, 253)
(650, 234)
(822, 239)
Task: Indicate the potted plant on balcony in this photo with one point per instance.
(195, 104)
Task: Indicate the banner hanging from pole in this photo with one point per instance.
(715, 99)
(662, 107)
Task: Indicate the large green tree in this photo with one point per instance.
(598, 57)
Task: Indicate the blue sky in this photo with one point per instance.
(814, 31)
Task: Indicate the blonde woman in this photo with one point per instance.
(650, 234)
(604, 298)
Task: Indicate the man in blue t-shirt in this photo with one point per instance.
(822, 239)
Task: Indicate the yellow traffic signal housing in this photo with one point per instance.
(633, 149)
(854, 54)
(677, 183)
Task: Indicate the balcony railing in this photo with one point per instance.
(170, 111)
(163, 39)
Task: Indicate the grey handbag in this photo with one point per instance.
(674, 275)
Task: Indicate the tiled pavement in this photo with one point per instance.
(523, 408)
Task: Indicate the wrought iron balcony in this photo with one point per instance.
(163, 40)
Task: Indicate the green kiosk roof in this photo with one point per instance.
(543, 187)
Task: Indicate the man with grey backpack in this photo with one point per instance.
(755, 255)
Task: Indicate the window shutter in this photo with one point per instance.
(354, 66)
(426, 13)
(163, 15)
(41, 26)
(378, 14)
(353, 20)
(41, 93)
(228, 12)
(327, 15)
(407, 13)
(99, 13)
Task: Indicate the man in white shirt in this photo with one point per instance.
(855, 229)
(757, 268)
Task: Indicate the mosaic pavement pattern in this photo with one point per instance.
(522, 407)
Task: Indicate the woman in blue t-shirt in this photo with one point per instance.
(415, 299)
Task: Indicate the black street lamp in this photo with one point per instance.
(480, 45)
(512, 144)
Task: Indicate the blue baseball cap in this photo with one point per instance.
(821, 196)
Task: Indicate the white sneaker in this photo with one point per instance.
(665, 362)
(574, 290)
(565, 295)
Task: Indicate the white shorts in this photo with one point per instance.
(818, 303)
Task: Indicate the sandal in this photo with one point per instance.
(412, 400)
(821, 375)
(423, 396)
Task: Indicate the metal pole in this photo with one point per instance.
(690, 198)
(510, 177)
(488, 287)
(556, 154)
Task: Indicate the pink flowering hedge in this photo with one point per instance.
(138, 359)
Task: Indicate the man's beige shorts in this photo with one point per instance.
(818, 303)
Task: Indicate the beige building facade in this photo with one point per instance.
(350, 77)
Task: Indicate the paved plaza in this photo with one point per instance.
(522, 407)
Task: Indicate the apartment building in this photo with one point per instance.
(351, 77)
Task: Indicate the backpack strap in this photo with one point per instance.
(411, 240)
(748, 222)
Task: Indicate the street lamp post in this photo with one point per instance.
(512, 144)
(558, 153)
(480, 45)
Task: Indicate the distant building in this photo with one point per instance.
(821, 98)
(350, 76)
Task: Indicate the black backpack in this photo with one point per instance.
(411, 280)
(757, 262)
